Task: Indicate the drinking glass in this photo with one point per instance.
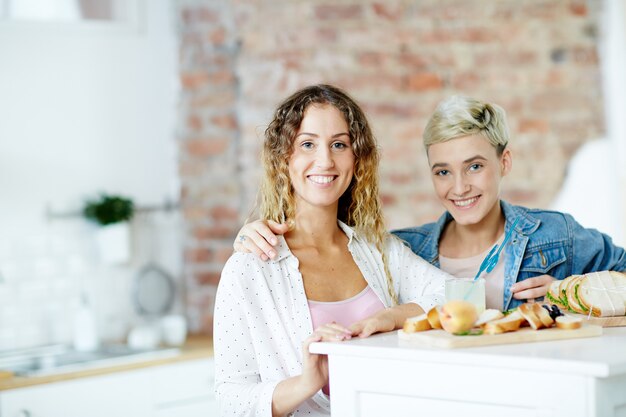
(461, 289)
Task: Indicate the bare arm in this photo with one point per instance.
(291, 392)
(386, 320)
(259, 237)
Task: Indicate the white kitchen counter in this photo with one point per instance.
(196, 347)
(383, 375)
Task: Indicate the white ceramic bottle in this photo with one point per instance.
(85, 330)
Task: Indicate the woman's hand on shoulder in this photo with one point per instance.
(259, 237)
(531, 288)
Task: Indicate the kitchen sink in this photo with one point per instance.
(57, 359)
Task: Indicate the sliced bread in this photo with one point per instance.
(487, 316)
(416, 324)
(528, 313)
(543, 315)
(509, 323)
(433, 317)
(569, 322)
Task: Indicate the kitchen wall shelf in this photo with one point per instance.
(166, 206)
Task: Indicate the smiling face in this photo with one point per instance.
(466, 173)
(321, 165)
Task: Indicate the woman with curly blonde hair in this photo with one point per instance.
(337, 273)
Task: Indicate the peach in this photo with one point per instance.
(458, 316)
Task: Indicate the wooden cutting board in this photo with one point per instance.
(602, 321)
(443, 339)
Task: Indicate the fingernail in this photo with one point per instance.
(273, 241)
(271, 253)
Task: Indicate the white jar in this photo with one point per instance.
(174, 329)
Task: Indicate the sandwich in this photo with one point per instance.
(563, 290)
(572, 297)
(554, 295)
(601, 294)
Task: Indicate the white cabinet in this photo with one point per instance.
(182, 389)
(120, 394)
(382, 375)
(185, 390)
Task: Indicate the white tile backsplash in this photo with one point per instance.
(42, 278)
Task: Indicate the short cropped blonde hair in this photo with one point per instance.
(460, 116)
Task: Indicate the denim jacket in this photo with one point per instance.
(543, 242)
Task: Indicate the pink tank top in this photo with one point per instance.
(345, 312)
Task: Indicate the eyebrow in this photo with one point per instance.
(467, 161)
(336, 135)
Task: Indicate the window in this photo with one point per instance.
(102, 13)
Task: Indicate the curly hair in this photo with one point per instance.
(359, 206)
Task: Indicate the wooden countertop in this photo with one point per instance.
(196, 347)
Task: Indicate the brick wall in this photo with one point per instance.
(536, 58)
(209, 150)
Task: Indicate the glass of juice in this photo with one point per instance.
(467, 289)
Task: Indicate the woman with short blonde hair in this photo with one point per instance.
(466, 141)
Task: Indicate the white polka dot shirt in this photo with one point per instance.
(262, 317)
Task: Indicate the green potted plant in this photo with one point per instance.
(112, 214)
(109, 209)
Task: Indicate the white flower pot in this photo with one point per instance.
(113, 243)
